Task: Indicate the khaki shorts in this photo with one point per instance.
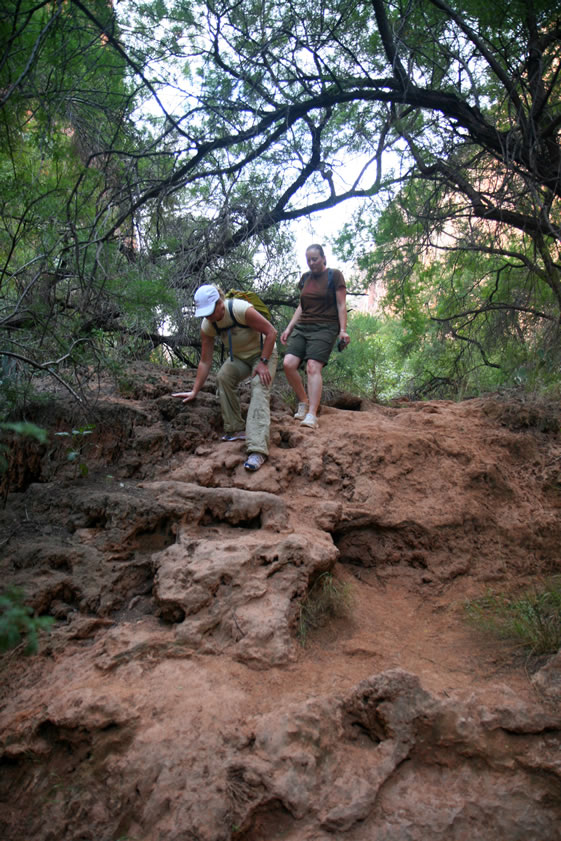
(313, 341)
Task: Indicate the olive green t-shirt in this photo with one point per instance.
(318, 304)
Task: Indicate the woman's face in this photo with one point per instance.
(316, 263)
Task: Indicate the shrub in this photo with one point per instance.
(531, 618)
(18, 622)
(327, 598)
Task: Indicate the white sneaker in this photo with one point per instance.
(310, 420)
(302, 411)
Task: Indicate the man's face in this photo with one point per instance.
(316, 263)
(219, 311)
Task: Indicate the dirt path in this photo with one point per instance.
(392, 626)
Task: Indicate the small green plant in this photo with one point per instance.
(327, 598)
(531, 618)
(18, 623)
(75, 452)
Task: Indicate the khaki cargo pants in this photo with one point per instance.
(258, 421)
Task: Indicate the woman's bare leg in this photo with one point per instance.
(291, 364)
(315, 384)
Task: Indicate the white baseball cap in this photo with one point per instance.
(205, 300)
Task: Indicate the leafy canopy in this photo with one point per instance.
(146, 148)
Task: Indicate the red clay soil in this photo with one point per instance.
(174, 700)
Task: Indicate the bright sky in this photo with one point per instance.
(320, 228)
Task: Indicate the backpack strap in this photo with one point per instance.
(229, 329)
(232, 316)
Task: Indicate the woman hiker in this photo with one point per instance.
(251, 340)
(319, 321)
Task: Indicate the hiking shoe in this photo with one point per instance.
(234, 436)
(255, 461)
(310, 420)
(302, 411)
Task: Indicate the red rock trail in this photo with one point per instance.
(173, 699)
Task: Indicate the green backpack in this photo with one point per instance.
(253, 299)
(257, 304)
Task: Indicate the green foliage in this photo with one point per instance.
(147, 148)
(327, 598)
(78, 444)
(65, 134)
(25, 429)
(18, 623)
(532, 619)
(369, 366)
(470, 321)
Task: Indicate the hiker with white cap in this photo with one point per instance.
(250, 339)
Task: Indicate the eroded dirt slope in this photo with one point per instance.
(173, 699)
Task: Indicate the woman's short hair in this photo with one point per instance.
(316, 247)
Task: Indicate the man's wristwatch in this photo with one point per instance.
(264, 360)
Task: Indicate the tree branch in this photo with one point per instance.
(44, 366)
